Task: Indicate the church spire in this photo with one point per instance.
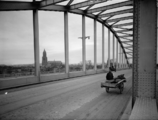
(44, 58)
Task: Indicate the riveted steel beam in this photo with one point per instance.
(50, 2)
(89, 7)
(114, 23)
(101, 12)
(117, 13)
(125, 30)
(110, 6)
(55, 8)
(130, 55)
(121, 18)
(129, 49)
(86, 3)
(11, 6)
(129, 52)
(125, 36)
(124, 24)
(131, 46)
(144, 53)
(127, 41)
(108, 18)
(69, 3)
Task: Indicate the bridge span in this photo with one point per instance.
(76, 98)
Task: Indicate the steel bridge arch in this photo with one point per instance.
(44, 5)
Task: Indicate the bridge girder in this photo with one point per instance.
(117, 5)
(129, 52)
(124, 24)
(130, 58)
(131, 46)
(127, 41)
(12, 5)
(126, 36)
(116, 13)
(69, 3)
(120, 19)
(124, 30)
(130, 34)
(50, 2)
(86, 3)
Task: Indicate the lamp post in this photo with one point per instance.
(84, 37)
(84, 51)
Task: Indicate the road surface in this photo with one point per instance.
(77, 98)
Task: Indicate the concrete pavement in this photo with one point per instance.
(78, 98)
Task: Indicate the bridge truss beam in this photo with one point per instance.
(86, 3)
(127, 3)
(122, 25)
(11, 5)
(116, 13)
(124, 30)
(49, 2)
(119, 19)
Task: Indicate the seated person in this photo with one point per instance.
(112, 68)
(109, 76)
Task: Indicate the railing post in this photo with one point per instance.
(66, 42)
(103, 49)
(113, 50)
(119, 56)
(123, 60)
(95, 45)
(83, 43)
(36, 43)
(108, 48)
(116, 54)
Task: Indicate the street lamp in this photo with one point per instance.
(85, 37)
(84, 51)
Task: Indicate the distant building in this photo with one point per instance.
(46, 63)
(54, 63)
(44, 58)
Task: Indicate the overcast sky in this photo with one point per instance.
(16, 37)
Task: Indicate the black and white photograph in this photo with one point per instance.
(78, 60)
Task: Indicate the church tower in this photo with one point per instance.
(44, 58)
